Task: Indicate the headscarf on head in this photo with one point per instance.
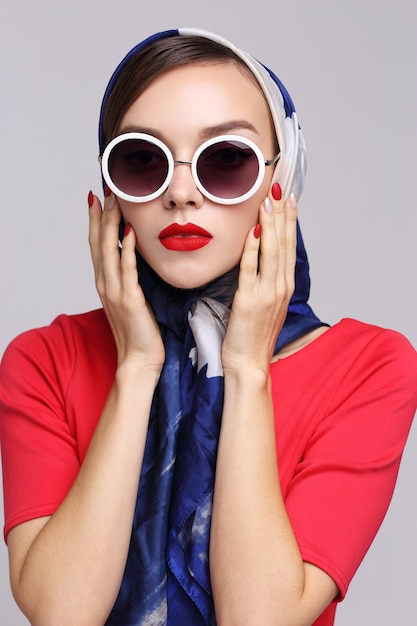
(166, 580)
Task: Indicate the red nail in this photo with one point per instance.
(257, 231)
(107, 191)
(276, 191)
(128, 228)
(90, 199)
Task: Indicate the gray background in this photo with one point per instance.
(350, 67)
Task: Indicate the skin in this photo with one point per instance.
(66, 569)
(227, 101)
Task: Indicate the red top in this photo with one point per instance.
(343, 409)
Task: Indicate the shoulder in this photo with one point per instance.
(63, 330)
(352, 339)
(353, 355)
(368, 342)
(67, 339)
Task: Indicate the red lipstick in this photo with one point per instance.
(184, 238)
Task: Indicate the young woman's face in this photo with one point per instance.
(184, 107)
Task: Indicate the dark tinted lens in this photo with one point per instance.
(228, 169)
(137, 167)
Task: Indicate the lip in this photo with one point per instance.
(184, 238)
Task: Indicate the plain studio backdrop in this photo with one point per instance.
(351, 69)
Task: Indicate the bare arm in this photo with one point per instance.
(67, 569)
(257, 572)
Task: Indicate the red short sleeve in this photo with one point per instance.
(53, 384)
(352, 413)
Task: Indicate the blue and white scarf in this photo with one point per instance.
(166, 580)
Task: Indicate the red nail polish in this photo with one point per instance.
(276, 191)
(257, 231)
(107, 191)
(128, 228)
(90, 199)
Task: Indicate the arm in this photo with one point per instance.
(258, 574)
(67, 569)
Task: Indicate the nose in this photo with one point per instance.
(182, 191)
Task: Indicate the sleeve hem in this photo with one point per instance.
(27, 515)
(330, 568)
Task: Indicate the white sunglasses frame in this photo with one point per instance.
(104, 161)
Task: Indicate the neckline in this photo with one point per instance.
(313, 342)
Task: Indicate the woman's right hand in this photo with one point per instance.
(133, 324)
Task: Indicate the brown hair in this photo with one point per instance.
(148, 63)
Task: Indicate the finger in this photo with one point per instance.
(291, 214)
(95, 217)
(248, 270)
(270, 249)
(109, 246)
(281, 238)
(128, 264)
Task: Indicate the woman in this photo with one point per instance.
(204, 449)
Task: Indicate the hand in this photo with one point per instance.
(265, 288)
(134, 328)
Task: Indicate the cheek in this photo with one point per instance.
(136, 215)
(252, 211)
(238, 224)
(137, 218)
(128, 209)
(266, 185)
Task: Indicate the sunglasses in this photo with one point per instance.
(227, 169)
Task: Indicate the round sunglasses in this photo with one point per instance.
(227, 169)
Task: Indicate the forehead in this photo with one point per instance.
(197, 96)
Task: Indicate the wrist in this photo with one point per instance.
(132, 370)
(248, 376)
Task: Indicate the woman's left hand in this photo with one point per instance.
(266, 284)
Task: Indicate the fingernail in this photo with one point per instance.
(276, 191)
(107, 191)
(128, 228)
(111, 201)
(90, 199)
(293, 200)
(257, 231)
(268, 208)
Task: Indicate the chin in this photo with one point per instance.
(190, 272)
(185, 282)
(188, 275)
(187, 279)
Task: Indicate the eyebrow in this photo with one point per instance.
(205, 133)
(227, 127)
